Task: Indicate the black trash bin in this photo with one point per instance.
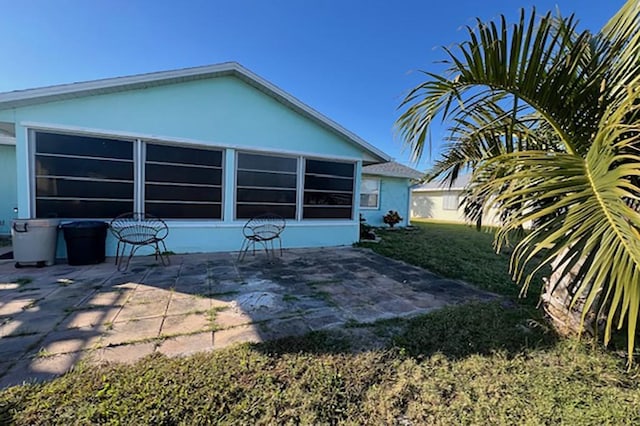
(85, 242)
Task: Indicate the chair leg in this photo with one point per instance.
(243, 249)
(265, 245)
(164, 254)
(120, 255)
(123, 264)
(133, 251)
(117, 252)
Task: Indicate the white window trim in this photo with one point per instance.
(140, 140)
(269, 154)
(139, 154)
(377, 207)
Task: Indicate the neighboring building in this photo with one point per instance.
(384, 187)
(441, 201)
(204, 148)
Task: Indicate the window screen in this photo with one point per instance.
(328, 190)
(183, 182)
(450, 201)
(369, 193)
(82, 177)
(266, 184)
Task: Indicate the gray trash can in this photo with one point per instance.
(34, 241)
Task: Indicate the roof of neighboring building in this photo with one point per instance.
(437, 185)
(392, 169)
(20, 98)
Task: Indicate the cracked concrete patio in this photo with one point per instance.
(51, 318)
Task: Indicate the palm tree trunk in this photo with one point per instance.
(556, 302)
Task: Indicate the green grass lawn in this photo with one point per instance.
(493, 363)
(455, 251)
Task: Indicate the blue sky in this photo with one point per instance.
(352, 60)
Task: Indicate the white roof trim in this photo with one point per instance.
(417, 188)
(7, 140)
(40, 95)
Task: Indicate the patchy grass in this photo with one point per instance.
(320, 379)
(482, 363)
(454, 251)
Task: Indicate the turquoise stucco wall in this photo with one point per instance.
(223, 111)
(394, 195)
(8, 191)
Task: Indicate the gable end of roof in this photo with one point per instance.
(21, 98)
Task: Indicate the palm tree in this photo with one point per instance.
(546, 116)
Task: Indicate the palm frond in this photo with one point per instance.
(549, 118)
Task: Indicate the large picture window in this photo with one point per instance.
(266, 184)
(328, 190)
(82, 177)
(182, 182)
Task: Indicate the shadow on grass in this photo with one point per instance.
(456, 332)
(482, 329)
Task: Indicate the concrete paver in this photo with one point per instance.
(187, 344)
(59, 315)
(126, 354)
(186, 324)
(249, 333)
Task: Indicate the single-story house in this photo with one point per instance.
(204, 148)
(441, 201)
(384, 187)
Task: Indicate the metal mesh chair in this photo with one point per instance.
(139, 230)
(263, 230)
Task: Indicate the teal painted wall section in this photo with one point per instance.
(223, 111)
(221, 237)
(8, 190)
(394, 195)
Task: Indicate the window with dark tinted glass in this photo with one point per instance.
(82, 177)
(266, 184)
(328, 190)
(183, 182)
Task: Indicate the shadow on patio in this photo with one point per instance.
(52, 318)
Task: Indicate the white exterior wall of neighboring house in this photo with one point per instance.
(440, 205)
(438, 201)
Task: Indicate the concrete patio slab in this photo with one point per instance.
(59, 315)
(187, 344)
(126, 354)
(249, 333)
(176, 325)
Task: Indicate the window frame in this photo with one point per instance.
(295, 173)
(448, 196)
(353, 205)
(138, 146)
(32, 153)
(143, 182)
(229, 177)
(379, 187)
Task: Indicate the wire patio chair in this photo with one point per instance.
(138, 230)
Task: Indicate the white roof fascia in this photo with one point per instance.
(66, 91)
(7, 140)
(417, 188)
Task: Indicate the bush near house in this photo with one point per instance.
(392, 218)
